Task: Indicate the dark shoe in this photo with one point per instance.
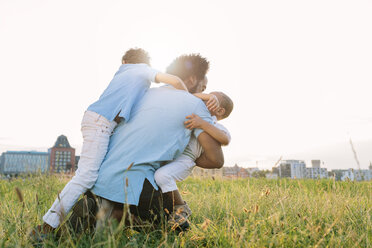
(40, 233)
(179, 218)
(83, 214)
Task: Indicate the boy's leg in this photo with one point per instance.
(175, 196)
(96, 134)
(166, 178)
(176, 171)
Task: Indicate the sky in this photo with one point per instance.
(299, 72)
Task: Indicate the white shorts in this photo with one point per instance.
(176, 171)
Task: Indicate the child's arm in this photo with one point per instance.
(212, 102)
(194, 121)
(175, 81)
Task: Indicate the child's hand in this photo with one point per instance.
(194, 121)
(212, 103)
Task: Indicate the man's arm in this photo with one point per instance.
(175, 81)
(212, 157)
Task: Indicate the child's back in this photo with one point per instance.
(128, 86)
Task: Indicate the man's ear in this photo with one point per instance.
(123, 62)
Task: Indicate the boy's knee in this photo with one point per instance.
(161, 178)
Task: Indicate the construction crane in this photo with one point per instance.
(355, 154)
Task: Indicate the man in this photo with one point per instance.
(154, 135)
(129, 84)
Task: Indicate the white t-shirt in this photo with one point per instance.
(194, 149)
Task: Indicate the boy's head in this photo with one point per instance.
(191, 69)
(226, 105)
(136, 56)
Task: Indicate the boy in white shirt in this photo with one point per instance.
(178, 170)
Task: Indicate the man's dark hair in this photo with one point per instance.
(136, 56)
(185, 66)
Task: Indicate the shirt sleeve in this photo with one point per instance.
(202, 111)
(151, 73)
(223, 129)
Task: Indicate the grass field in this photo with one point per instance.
(226, 213)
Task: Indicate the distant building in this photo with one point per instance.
(272, 176)
(62, 156)
(315, 163)
(316, 173)
(292, 169)
(243, 173)
(284, 170)
(231, 171)
(337, 174)
(251, 170)
(362, 175)
(200, 172)
(275, 170)
(20, 162)
(352, 175)
(77, 159)
(348, 175)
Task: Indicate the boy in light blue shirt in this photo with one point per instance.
(115, 105)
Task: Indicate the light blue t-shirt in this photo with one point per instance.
(154, 134)
(126, 88)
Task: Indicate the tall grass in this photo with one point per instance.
(226, 213)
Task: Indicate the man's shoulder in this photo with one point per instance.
(172, 92)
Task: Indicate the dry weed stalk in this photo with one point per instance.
(205, 224)
(19, 194)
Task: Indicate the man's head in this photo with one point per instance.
(226, 105)
(191, 69)
(136, 56)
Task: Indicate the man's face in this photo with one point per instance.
(194, 85)
(201, 85)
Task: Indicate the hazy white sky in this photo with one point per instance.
(299, 72)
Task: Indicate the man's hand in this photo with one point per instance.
(194, 121)
(212, 103)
